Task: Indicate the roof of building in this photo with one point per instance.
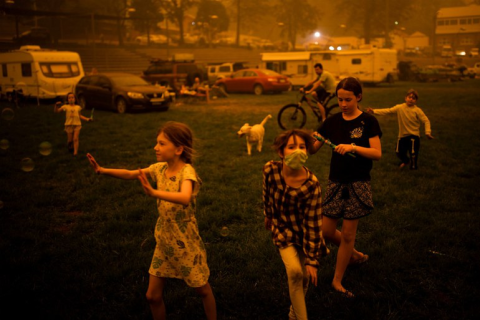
(466, 11)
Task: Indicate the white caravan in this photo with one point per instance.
(39, 73)
(369, 65)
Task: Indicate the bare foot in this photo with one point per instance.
(345, 293)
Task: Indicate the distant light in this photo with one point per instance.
(462, 53)
(343, 26)
(193, 23)
(317, 34)
(396, 23)
(10, 2)
(339, 48)
(331, 48)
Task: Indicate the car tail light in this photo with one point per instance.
(272, 79)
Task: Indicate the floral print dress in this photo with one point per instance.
(179, 252)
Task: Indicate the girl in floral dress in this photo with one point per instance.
(179, 252)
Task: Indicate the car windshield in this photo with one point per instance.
(128, 81)
(269, 72)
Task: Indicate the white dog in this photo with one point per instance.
(254, 134)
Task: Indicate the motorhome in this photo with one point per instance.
(39, 73)
(369, 65)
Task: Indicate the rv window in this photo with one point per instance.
(224, 69)
(60, 70)
(26, 70)
(357, 61)
(302, 69)
(4, 70)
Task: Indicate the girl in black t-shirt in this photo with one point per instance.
(348, 194)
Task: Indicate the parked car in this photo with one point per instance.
(154, 39)
(36, 35)
(181, 70)
(121, 92)
(433, 73)
(473, 71)
(257, 81)
(474, 52)
(222, 70)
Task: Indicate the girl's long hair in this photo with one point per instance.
(181, 136)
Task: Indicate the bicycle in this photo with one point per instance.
(293, 116)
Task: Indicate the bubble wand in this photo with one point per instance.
(331, 145)
(91, 114)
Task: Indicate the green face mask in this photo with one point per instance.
(296, 159)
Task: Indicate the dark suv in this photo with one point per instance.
(174, 73)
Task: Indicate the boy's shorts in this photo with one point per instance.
(72, 128)
(348, 200)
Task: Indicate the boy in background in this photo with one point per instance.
(410, 117)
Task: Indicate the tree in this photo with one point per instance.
(248, 14)
(146, 15)
(175, 10)
(211, 18)
(375, 16)
(298, 17)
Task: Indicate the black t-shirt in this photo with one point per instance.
(359, 131)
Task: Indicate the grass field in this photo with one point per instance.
(74, 245)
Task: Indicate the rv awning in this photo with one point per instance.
(285, 56)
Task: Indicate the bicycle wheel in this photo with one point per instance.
(291, 116)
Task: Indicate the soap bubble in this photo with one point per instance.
(45, 148)
(224, 232)
(8, 114)
(4, 144)
(27, 164)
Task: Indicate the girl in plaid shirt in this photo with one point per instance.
(292, 202)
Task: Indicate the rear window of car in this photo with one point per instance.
(161, 68)
(127, 81)
(85, 80)
(270, 72)
(185, 68)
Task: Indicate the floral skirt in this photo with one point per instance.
(348, 200)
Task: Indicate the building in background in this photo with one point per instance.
(459, 28)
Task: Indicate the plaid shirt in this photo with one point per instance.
(295, 212)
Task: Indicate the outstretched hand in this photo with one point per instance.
(312, 273)
(94, 163)
(147, 187)
(429, 136)
(370, 110)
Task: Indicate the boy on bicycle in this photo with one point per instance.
(322, 87)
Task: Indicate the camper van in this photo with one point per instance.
(369, 65)
(39, 73)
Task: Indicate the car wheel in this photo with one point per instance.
(258, 89)
(121, 105)
(82, 102)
